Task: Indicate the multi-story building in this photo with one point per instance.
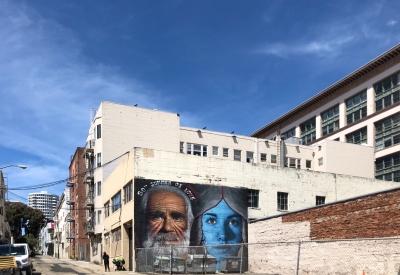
(47, 239)
(61, 226)
(5, 233)
(77, 226)
(361, 108)
(117, 128)
(44, 202)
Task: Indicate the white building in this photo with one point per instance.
(47, 239)
(45, 202)
(61, 226)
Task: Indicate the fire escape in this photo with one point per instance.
(89, 181)
(70, 218)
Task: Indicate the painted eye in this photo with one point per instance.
(212, 221)
(233, 222)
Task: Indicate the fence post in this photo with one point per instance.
(298, 259)
(170, 259)
(241, 258)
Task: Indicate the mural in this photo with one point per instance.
(186, 217)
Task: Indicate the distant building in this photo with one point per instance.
(45, 202)
(361, 108)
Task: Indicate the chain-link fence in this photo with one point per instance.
(336, 257)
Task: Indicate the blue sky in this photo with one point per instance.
(228, 65)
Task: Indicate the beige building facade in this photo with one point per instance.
(301, 187)
(116, 129)
(361, 108)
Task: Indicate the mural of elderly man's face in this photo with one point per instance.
(166, 220)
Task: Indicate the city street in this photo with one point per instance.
(45, 265)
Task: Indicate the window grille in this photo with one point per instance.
(356, 107)
(330, 120)
(387, 92)
(357, 137)
(388, 168)
(387, 132)
(215, 150)
(237, 155)
(252, 198)
(308, 131)
(319, 200)
(225, 152)
(283, 201)
(273, 158)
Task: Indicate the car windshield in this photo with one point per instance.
(15, 250)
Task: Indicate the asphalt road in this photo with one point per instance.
(47, 266)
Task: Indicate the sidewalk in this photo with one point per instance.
(95, 268)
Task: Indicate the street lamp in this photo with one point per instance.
(13, 165)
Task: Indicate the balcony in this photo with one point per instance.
(70, 235)
(89, 148)
(89, 228)
(70, 184)
(69, 217)
(69, 201)
(89, 177)
(89, 202)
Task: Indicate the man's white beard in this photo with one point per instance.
(160, 245)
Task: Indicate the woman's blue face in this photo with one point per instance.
(221, 225)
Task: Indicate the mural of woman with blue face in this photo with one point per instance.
(222, 222)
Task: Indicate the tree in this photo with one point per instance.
(20, 216)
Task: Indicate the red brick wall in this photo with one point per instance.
(371, 216)
(78, 194)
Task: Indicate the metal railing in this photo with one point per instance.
(353, 256)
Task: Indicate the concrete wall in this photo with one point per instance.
(370, 216)
(302, 185)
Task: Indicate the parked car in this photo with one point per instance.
(22, 254)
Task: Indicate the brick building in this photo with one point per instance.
(76, 216)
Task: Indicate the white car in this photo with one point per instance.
(21, 252)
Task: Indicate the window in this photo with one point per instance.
(388, 168)
(181, 147)
(99, 188)
(99, 217)
(263, 157)
(273, 158)
(1, 211)
(252, 198)
(197, 149)
(116, 202)
(330, 120)
(116, 235)
(98, 131)
(387, 132)
(107, 209)
(357, 137)
(225, 152)
(249, 157)
(215, 150)
(308, 163)
(288, 134)
(308, 131)
(237, 155)
(292, 163)
(283, 201)
(356, 107)
(98, 159)
(128, 192)
(319, 200)
(320, 161)
(387, 92)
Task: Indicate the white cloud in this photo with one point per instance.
(392, 23)
(47, 86)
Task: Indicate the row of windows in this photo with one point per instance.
(282, 200)
(387, 92)
(388, 168)
(201, 150)
(116, 199)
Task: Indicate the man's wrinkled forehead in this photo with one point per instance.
(164, 199)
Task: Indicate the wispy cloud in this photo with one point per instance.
(392, 23)
(47, 85)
